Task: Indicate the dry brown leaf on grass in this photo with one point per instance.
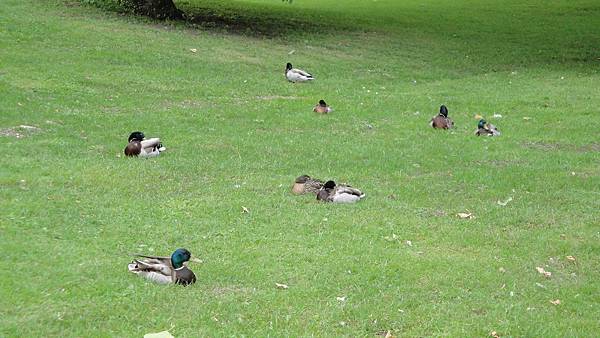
(341, 299)
(385, 333)
(571, 258)
(193, 50)
(281, 286)
(162, 334)
(555, 302)
(541, 270)
(391, 238)
(494, 334)
(505, 202)
(465, 215)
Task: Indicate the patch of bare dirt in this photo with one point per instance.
(19, 131)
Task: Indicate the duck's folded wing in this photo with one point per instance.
(301, 72)
(149, 266)
(157, 259)
(349, 190)
(152, 275)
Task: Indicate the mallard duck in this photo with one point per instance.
(139, 146)
(330, 192)
(487, 129)
(441, 120)
(322, 108)
(305, 184)
(296, 75)
(165, 270)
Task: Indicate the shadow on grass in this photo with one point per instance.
(259, 20)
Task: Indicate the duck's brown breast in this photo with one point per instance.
(320, 109)
(440, 122)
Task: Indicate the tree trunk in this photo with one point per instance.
(157, 9)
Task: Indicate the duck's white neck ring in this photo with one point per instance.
(180, 268)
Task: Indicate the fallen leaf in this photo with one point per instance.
(505, 202)
(389, 335)
(341, 299)
(541, 270)
(281, 286)
(478, 117)
(409, 243)
(245, 210)
(571, 258)
(391, 238)
(555, 302)
(162, 334)
(465, 215)
(498, 116)
(503, 270)
(193, 50)
(494, 334)
(526, 118)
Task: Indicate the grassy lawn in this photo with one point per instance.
(237, 133)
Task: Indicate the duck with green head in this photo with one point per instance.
(165, 270)
(297, 75)
(339, 193)
(486, 129)
(322, 107)
(441, 120)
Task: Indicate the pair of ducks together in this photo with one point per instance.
(328, 191)
(299, 75)
(174, 269)
(442, 121)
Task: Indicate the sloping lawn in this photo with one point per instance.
(75, 81)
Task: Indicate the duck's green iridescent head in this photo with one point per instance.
(179, 257)
(481, 123)
(329, 185)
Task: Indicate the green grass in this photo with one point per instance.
(238, 134)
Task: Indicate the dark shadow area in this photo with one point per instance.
(256, 20)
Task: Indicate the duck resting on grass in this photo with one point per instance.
(330, 192)
(305, 184)
(441, 120)
(487, 129)
(296, 75)
(322, 108)
(165, 270)
(139, 146)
